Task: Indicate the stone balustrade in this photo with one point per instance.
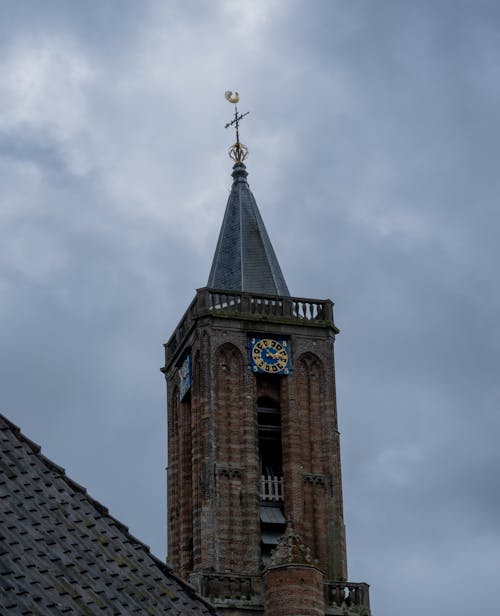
(271, 488)
(227, 304)
(342, 598)
(346, 595)
(242, 590)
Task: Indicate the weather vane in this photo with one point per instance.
(238, 152)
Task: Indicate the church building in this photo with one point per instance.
(255, 514)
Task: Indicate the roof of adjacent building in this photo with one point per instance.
(244, 259)
(61, 551)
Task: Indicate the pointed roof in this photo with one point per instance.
(62, 552)
(244, 259)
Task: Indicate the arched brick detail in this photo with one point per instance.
(310, 379)
(310, 399)
(230, 456)
(228, 389)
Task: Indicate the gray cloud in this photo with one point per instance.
(374, 153)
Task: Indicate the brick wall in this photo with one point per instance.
(213, 476)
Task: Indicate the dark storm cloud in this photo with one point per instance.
(374, 154)
(401, 221)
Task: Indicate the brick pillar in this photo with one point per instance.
(293, 585)
(294, 590)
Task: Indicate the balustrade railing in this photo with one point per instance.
(226, 587)
(271, 488)
(224, 301)
(308, 310)
(341, 594)
(288, 307)
(267, 306)
(250, 305)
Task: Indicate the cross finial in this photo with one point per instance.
(238, 151)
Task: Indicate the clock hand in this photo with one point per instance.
(277, 355)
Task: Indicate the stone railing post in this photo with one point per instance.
(202, 300)
(245, 303)
(287, 307)
(364, 594)
(328, 309)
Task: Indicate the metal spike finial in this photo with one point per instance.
(238, 151)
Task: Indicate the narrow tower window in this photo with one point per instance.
(270, 455)
(272, 521)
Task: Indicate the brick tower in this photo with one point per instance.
(255, 519)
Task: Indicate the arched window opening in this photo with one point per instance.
(272, 521)
(270, 451)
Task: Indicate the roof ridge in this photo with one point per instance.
(78, 487)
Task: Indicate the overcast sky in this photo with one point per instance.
(374, 158)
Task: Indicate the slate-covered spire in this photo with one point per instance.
(244, 259)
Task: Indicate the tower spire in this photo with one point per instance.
(244, 259)
(238, 151)
(253, 434)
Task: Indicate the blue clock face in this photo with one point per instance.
(269, 355)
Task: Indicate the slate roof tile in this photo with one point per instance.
(244, 258)
(61, 551)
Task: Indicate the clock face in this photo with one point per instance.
(270, 355)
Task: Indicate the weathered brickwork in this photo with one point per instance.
(214, 474)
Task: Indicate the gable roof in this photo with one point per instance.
(244, 259)
(61, 551)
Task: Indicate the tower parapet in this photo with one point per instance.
(225, 304)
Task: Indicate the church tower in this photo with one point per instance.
(255, 516)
